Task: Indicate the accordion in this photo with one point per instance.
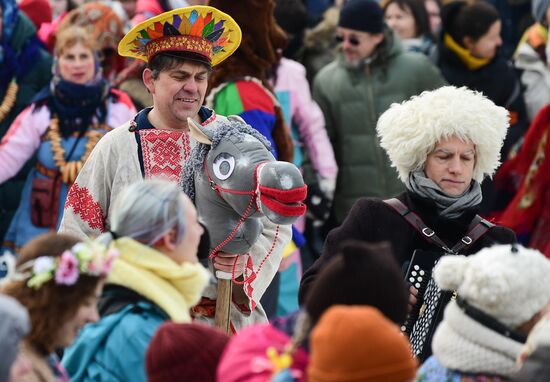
(427, 313)
(423, 319)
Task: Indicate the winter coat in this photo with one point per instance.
(115, 345)
(352, 101)
(372, 220)
(38, 76)
(530, 58)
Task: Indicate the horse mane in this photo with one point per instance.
(194, 164)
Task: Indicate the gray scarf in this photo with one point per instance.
(448, 206)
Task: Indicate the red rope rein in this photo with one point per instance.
(252, 203)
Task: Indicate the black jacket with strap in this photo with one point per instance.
(372, 220)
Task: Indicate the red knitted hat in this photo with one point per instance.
(184, 352)
(39, 11)
(358, 343)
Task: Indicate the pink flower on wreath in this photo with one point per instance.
(67, 269)
(112, 254)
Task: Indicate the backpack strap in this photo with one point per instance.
(477, 228)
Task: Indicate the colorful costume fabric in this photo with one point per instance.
(249, 99)
(138, 150)
(433, 371)
(527, 176)
(29, 134)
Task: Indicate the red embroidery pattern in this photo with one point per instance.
(164, 153)
(84, 205)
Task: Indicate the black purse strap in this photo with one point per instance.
(477, 227)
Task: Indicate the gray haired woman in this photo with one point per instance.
(156, 277)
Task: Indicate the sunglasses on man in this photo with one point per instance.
(352, 40)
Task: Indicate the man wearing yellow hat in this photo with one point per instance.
(180, 48)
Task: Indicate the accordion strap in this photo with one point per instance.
(476, 229)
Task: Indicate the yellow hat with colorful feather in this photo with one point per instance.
(199, 30)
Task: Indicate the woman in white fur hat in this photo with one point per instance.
(442, 143)
(503, 291)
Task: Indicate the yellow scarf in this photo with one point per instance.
(174, 288)
(473, 63)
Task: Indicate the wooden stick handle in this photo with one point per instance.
(223, 304)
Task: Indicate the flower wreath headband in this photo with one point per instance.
(86, 258)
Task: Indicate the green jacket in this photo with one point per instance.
(32, 82)
(352, 101)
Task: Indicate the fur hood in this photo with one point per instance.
(410, 131)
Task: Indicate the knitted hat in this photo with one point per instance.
(362, 15)
(357, 343)
(538, 9)
(39, 11)
(257, 354)
(360, 274)
(509, 286)
(14, 325)
(409, 131)
(184, 352)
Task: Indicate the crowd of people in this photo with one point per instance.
(420, 128)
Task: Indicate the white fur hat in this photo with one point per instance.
(509, 286)
(410, 131)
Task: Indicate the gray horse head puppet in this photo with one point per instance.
(234, 180)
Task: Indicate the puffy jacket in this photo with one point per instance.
(101, 359)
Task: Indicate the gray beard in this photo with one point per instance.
(360, 63)
(353, 65)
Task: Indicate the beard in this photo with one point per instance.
(354, 64)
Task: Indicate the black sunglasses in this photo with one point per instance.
(352, 40)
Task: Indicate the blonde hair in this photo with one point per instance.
(71, 36)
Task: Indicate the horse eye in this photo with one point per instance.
(223, 166)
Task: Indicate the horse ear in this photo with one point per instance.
(197, 132)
